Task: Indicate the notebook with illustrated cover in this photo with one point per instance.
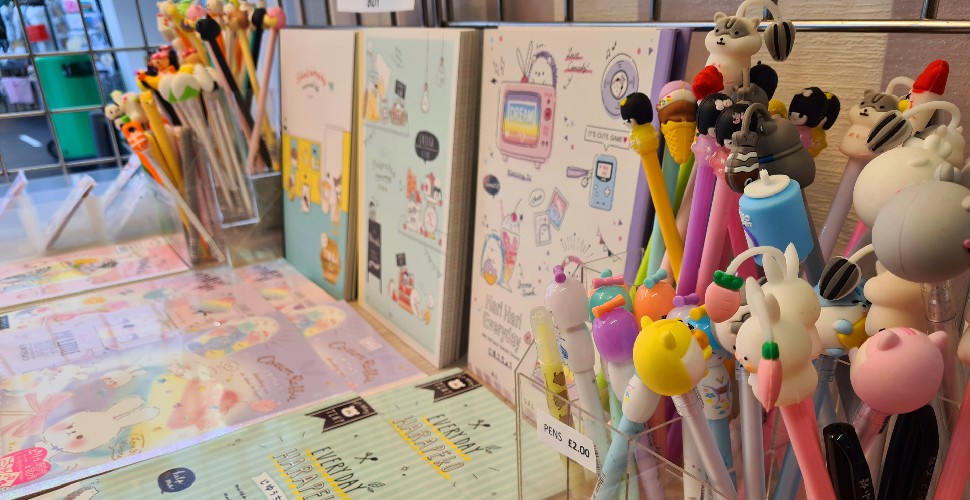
(557, 183)
(317, 115)
(418, 101)
(442, 437)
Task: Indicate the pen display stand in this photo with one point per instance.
(137, 210)
(647, 472)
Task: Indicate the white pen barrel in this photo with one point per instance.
(690, 408)
(752, 445)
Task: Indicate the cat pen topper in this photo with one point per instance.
(735, 39)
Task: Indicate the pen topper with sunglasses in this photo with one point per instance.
(735, 39)
(894, 170)
(895, 302)
(896, 128)
(862, 118)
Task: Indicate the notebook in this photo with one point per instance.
(317, 122)
(443, 437)
(557, 182)
(418, 92)
(179, 384)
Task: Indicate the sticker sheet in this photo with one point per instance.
(276, 281)
(81, 399)
(85, 270)
(557, 180)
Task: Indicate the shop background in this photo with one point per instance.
(115, 37)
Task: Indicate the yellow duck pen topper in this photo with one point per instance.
(668, 356)
(671, 359)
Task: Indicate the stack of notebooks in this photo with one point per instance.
(482, 159)
(418, 102)
(318, 182)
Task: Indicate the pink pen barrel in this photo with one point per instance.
(717, 229)
(857, 235)
(739, 242)
(956, 466)
(803, 433)
(867, 423)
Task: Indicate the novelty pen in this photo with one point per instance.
(656, 248)
(210, 30)
(938, 209)
(671, 362)
(778, 351)
(911, 457)
(637, 113)
(614, 332)
(257, 19)
(928, 87)
(276, 20)
(605, 288)
(813, 111)
(639, 402)
(920, 235)
(847, 464)
(566, 300)
(700, 209)
(550, 363)
(896, 371)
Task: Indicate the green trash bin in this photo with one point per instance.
(69, 82)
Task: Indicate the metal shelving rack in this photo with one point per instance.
(442, 13)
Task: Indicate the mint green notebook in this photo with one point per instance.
(442, 437)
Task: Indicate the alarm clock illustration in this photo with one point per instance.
(604, 182)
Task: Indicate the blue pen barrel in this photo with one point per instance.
(773, 214)
(615, 462)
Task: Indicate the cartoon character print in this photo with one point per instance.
(317, 320)
(234, 337)
(88, 430)
(731, 44)
(119, 378)
(493, 259)
(193, 370)
(204, 406)
(543, 70)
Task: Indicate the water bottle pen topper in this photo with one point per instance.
(637, 113)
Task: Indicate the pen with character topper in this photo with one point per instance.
(669, 359)
(567, 301)
(637, 113)
(778, 351)
(614, 331)
(734, 40)
(862, 118)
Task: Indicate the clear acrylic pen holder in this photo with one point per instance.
(543, 472)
